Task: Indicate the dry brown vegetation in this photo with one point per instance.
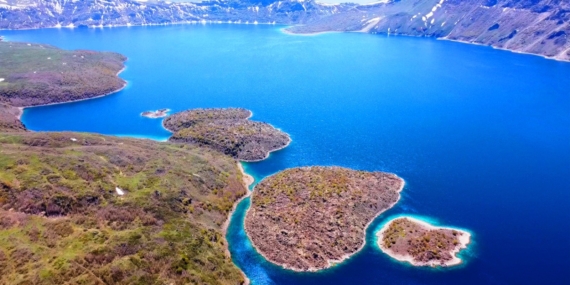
(302, 218)
(426, 246)
(41, 74)
(188, 118)
(9, 121)
(227, 131)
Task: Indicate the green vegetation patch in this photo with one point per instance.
(62, 219)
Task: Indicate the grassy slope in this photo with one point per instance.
(61, 219)
(40, 74)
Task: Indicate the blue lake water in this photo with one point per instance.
(481, 136)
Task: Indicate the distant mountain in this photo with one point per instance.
(532, 26)
(93, 13)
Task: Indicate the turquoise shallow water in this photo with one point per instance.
(481, 136)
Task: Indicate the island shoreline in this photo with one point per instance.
(247, 181)
(464, 240)
(330, 263)
(269, 152)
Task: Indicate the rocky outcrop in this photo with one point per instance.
(422, 244)
(228, 131)
(307, 219)
(160, 113)
(9, 121)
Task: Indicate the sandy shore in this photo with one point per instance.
(20, 113)
(331, 263)
(247, 181)
(464, 240)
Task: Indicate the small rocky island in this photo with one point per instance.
(421, 244)
(160, 113)
(310, 218)
(226, 130)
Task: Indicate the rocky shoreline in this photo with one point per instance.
(421, 244)
(37, 80)
(228, 131)
(160, 113)
(281, 221)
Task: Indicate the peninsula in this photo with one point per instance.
(421, 244)
(80, 208)
(309, 218)
(37, 74)
(228, 131)
(160, 113)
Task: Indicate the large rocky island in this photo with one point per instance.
(421, 244)
(310, 218)
(228, 131)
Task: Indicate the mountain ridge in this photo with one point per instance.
(531, 26)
